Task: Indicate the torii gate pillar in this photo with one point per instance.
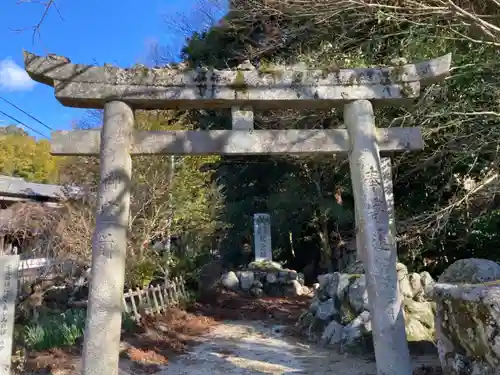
(109, 242)
(353, 89)
(375, 239)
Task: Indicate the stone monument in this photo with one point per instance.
(262, 237)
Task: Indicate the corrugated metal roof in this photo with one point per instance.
(15, 186)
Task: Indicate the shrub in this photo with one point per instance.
(140, 272)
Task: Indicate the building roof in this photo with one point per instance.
(20, 189)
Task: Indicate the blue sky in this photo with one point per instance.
(122, 32)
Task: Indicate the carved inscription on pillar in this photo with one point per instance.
(262, 237)
(9, 278)
(106, 245)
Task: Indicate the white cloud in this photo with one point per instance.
(13, 77)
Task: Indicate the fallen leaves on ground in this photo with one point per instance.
(148, 349)
(233, 306)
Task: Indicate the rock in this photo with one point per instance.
(427, 282)
(415, 283)
(403, 280)
(467, 321)
(282, 277)
(355, 268)
(360, 326)
(306, 291)
(256, 292)
(230, 281)
(311, 325)
(346, 314)
(358, 295)
(417, 331)
(326, 310)
(332, 334)
(471, 271)
(247, 279)
(421, 311)
(210, 277)
(341, 300)
(258, 284)
(293, 289)
(271, 278)
(339, 284)
(324, 280)
(313, 307)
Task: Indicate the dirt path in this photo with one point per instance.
(233, 335)
(245, 348)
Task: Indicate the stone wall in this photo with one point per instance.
(266, 279)
(339, 313)
(467, 296)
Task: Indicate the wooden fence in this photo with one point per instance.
(155, 299)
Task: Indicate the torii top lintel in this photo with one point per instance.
(87, 86)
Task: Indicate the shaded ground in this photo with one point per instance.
(232, 306)
(251, 347)
(230, 334)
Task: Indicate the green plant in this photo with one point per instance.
(55, 330)
(140, 271)
(60, 330)
(128, 323)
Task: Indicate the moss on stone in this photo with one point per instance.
(239, 83)
(271, 70)
(465, 325)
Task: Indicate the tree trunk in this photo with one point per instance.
(326, 250)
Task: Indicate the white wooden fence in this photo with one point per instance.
(155, 299)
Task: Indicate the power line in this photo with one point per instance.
(23, 124)
(26, 113)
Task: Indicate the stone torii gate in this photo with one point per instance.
(121, 91)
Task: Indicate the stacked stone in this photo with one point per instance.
(468, 317)
(339, 314)
(266, 278)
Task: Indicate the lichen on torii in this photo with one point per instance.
(87, 86)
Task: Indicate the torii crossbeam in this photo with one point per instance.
(120, 91)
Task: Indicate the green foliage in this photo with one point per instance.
(55, 331)
(484, 237)
(23, 156)
(62, 330)
(437, 215)
(189, 267)
(128, 323)
(178, 200)
(140, 271)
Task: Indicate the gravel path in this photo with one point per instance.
(245, 348)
